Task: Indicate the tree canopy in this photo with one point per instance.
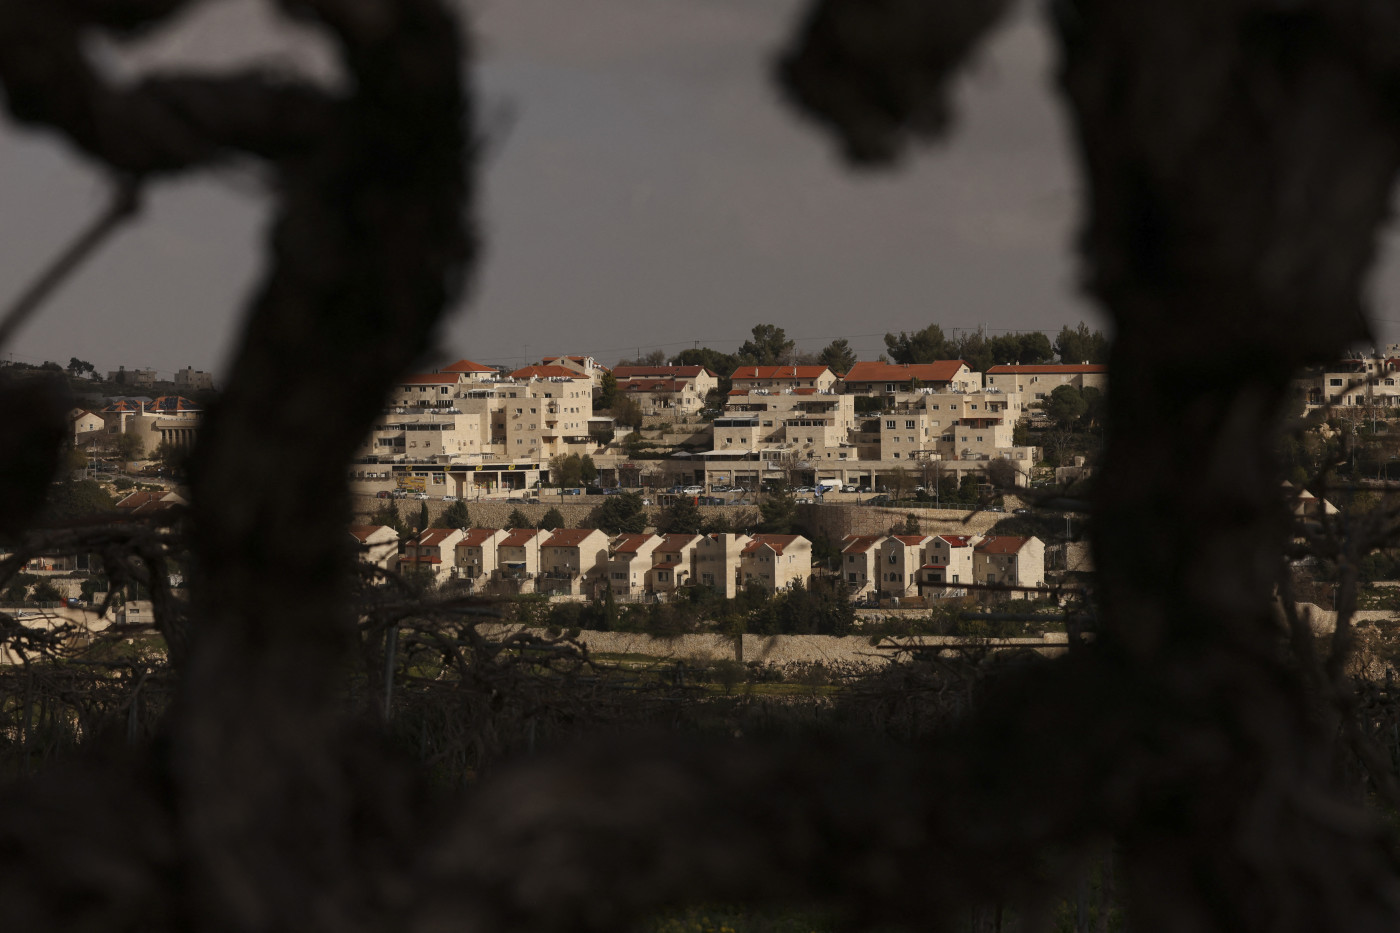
(769, 346)
(618, 514)
(1081, 345)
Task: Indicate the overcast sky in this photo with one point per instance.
(646, 190)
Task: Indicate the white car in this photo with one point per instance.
(693, 490)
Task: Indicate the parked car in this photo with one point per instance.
(849, 487)
(693, 490)
(802, 500)
(382, 494)
(572, 492)
(1021, 511)
(449, 498)
(420, 495)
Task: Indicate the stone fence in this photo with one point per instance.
(853, 651)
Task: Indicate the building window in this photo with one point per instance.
(889, 424)
(908, 425)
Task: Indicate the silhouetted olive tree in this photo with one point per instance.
(1237, 156)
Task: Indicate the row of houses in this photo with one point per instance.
(934, 566)
(587, 562)
(469, 428)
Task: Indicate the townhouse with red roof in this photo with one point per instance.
(1004, 560)
(948, 565)
(477, 555)
(859, 564)
(518, 561)
(571, 559)
(899, 559)
(629, 560)
(376, 545)
(716, 562)
(776, 562)
(431, 553)
(672, 563)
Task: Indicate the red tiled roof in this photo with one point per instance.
(150, 500)
(631, 543)
(519, 537)
(476, 537)
(1002, 544)
(658, 372)
(568, 537)
(1049, 368)
(779, 372)
(467, 366)
(674, 544)
(433, 537)
(957, 540)
(937, 371)
(859, 544)
(547, 372)
(776, 542)
(361, 533)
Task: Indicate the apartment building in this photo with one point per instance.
(427, 390)
(661, 390)
(546, 413)
(955, 426)
(783, 377)
(1038, 381)
(430, 434)
(890, 378)
(190, 379)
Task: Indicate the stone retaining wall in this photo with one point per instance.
(778, 650)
